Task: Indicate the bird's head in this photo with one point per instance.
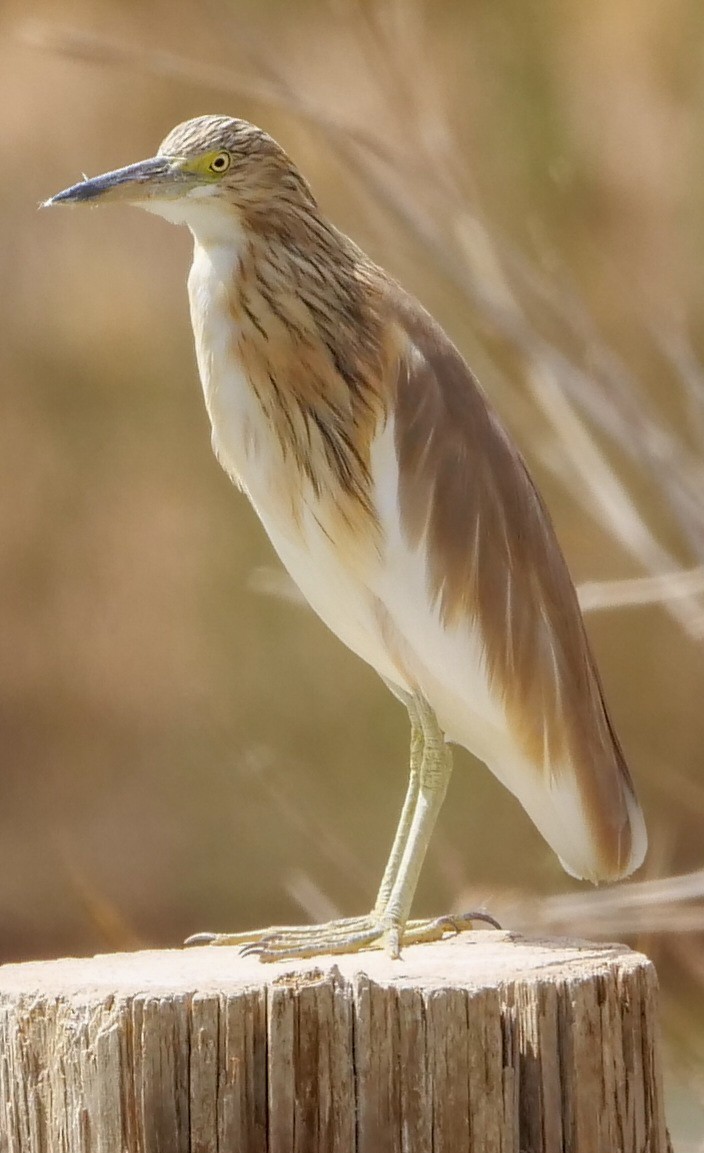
(206, 172)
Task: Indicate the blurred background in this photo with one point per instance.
(184, 746)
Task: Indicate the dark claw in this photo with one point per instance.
(484, 917)
(200, 939)
(453, 920)
(256, 948)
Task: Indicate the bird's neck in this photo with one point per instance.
(293, 316)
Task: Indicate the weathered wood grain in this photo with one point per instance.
(481, 1044)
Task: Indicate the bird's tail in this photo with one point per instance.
(596, 839)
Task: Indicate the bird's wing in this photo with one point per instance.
(497, 583)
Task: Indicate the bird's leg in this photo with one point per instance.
(406, 818)
(431, 769)
(434, 774)
(387, 924)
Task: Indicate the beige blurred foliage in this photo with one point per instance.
(183, 750)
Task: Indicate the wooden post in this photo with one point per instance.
(485, 1043)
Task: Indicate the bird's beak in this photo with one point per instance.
(160, 177)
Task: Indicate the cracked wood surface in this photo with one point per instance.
(486, 1043)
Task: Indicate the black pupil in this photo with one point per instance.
(219, 162)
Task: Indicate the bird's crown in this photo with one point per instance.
(222, 149)
(206, 135)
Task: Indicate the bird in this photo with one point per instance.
(399, 505)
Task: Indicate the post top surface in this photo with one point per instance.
(482, 959)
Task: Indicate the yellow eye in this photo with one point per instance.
(220, 163)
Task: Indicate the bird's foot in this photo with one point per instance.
(278, 942)
(347, 935)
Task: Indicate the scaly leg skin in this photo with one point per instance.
(387, 925)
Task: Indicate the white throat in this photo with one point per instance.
(211, 219)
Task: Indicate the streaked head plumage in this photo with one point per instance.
(205, 134)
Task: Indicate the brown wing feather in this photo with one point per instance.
(494, 559)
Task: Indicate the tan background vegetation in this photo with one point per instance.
(184, 747)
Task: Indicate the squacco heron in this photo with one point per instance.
(399, 505)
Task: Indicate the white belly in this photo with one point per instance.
(338, 596)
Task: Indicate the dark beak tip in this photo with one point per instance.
(60, 198)
(73, 195)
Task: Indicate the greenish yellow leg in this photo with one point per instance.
(406, 819)
(435, 773)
